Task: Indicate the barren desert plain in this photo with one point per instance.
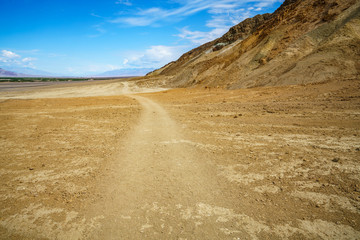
(118, 160)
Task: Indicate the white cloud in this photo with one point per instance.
(224, 14)
(95, 15)
(265, 3)
(199, 37)
(220, 23)
(157, 15)
(134, 21)
(28, 59)
(153, 57)
(110, 67)
(9, 58)
(159, 52)
(124, 2)
(99, 29)
(9, 54)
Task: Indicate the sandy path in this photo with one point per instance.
(155, 176)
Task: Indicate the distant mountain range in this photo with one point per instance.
(9, 71)
(5, 73)
(126, 72)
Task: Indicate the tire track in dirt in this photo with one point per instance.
(155, 176)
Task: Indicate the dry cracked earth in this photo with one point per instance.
(104, 161)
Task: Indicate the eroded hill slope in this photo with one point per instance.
(304, 41)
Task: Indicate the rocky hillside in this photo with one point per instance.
(237, 32)
(304, 41)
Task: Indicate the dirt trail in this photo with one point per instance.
(155, 176)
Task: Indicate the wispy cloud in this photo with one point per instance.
(28, 59)
(220, 22)
(124, 2)
(223, 15)
(150, 16)
(100, 30)
(96, 15)
(199, 37)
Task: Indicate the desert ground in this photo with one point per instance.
(118, 160)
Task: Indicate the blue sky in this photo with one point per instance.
(85, 37)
